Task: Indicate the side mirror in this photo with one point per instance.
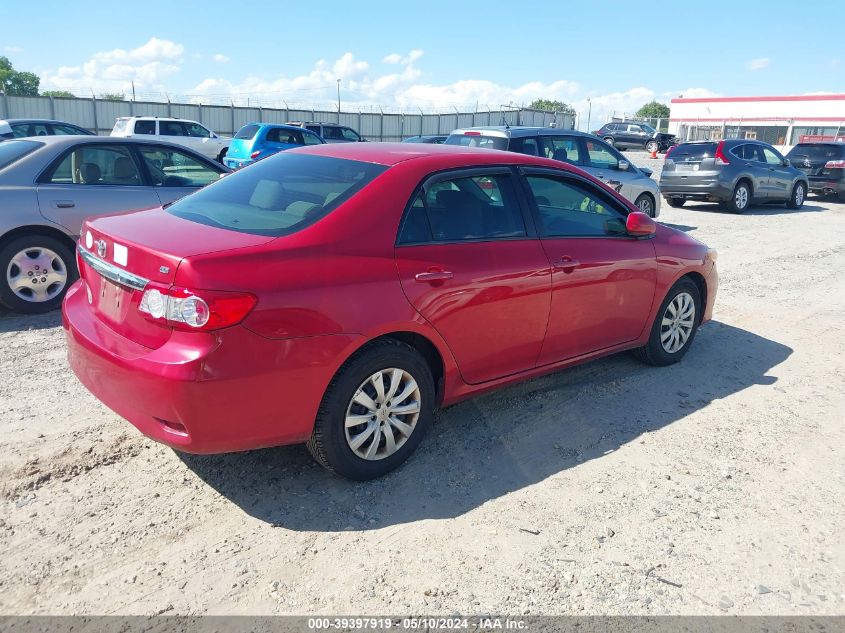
(639, 224)
(786, 162)
(623, 165)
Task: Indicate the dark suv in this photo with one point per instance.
(635, 135)
(330, 132)
(734, 172)
(824, 164)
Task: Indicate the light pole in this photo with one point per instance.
(589, 113)
(338, 96)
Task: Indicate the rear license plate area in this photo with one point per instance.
(113, 299)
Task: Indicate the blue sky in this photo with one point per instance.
(434, 54)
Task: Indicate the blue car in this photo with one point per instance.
(255, 141)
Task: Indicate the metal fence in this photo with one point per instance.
(99, 115)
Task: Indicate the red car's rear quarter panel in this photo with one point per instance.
(231, 389)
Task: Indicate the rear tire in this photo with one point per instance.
(680, 312)
(43, 267)
(796, 199)
(676, 202)
(741, 198)
(334, 442)
(645, 203)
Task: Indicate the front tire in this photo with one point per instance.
(35, 273)
(651, 146)
(674, 326)
(676, 202)
(741, 198)
(796, 200)
(375, 411)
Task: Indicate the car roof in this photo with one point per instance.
(518, 131)
(284, 126)
(447, 156)
(156, 118)
(67, 140)
(16, 121)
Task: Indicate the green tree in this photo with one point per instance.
(15, 82)
(654, 110)
(57, 93)
(552, 106)
(113, 96)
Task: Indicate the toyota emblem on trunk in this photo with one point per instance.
(101, 248)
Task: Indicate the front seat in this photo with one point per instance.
(561, 155)
(125, 172)
(89, 174)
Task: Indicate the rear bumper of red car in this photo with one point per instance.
(214, 392)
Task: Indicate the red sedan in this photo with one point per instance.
(337, 294)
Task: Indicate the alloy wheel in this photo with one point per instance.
(382, 414)
(799, 195)
(36, 274)
(677, 323)
(741, 197)
(644, 204)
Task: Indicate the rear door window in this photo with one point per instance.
(283, 135)
(97, 165)
(29, 129)
(172, 128)
(465, 208)
(65, 130)
(566, 149)
(145, 127)
(277, 196)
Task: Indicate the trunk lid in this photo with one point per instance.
(689, 159)
(126, 251)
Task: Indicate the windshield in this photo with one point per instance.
(120, 126)
(278, 195)
(477, 139)
(648, 129)
(11, 151)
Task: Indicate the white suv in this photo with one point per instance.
(191, 134)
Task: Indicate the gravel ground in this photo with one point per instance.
(714, 486)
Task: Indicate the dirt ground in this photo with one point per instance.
(714, 486)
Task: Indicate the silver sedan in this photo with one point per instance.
(49, 184)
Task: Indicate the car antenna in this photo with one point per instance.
(505, 122)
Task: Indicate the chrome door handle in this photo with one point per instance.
(433, 275)
(566, 264)
(65, 204)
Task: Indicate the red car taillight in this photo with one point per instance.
(835, 164)
(721, 159)
(669, 151)
(255, 155)
(192, 310)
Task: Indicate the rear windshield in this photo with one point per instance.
(247, 132)
(817, 151)
(278, 195)
(693, 151)
(119, 126)
(11, 151)
(478, 140)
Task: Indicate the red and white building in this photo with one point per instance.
(779, 121)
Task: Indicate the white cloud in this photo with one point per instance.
(410, 58)
(147, 65)
(220, 58)
(12, 49)
(759, 63)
